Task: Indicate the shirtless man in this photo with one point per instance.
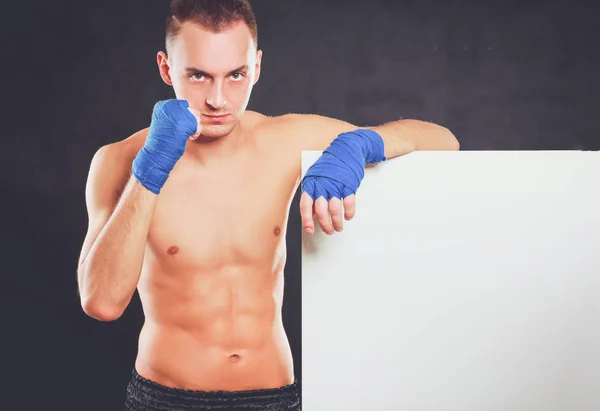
(193, 210)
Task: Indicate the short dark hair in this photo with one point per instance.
(214, 15)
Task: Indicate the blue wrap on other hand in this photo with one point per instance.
(340, 170)
(171, 126)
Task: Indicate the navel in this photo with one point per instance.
(173, 250)
(276, 231)
(234, 357)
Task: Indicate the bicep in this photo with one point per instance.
(107, 176)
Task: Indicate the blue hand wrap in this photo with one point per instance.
(340, 170)
(171, 126)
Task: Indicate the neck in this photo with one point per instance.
(208, 150)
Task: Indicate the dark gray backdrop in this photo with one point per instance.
(502, 75)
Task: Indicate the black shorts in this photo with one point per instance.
(146, 395)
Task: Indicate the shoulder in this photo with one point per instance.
(294, 120)
(302, 131)
(296, 123)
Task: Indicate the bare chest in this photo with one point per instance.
(231, 216)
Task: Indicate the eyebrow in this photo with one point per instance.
(196, 70)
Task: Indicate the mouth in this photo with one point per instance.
(215, 117)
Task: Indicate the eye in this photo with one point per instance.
(198, 76)
(237, 76)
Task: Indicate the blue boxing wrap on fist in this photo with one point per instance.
(171, 126)
(340, 170)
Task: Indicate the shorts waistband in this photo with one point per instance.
(143, 391)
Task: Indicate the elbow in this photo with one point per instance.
(100, 310)
(455, 144)
(95, 304)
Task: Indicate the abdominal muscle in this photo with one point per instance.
(214, 331)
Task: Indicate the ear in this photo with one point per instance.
(259, 54)
(163, 67)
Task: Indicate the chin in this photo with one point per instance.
(216, 131)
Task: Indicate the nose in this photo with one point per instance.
(216, 97)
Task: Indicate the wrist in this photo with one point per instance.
(148, 172)
(364, 143)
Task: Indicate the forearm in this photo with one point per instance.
(404, 136)
(109, 274)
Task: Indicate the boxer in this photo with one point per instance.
(192, 212)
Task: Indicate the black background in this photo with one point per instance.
(502, 75)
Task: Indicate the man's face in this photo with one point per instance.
(214, 72)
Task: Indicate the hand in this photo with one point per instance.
(329, 214)
(173, 124)
(336, 175)
(196, 115)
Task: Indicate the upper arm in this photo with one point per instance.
(315, 132)
(108, 174)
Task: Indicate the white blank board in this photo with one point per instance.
(467, 281)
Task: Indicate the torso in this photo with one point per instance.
(212, 279)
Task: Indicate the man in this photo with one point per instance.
(192, 212)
